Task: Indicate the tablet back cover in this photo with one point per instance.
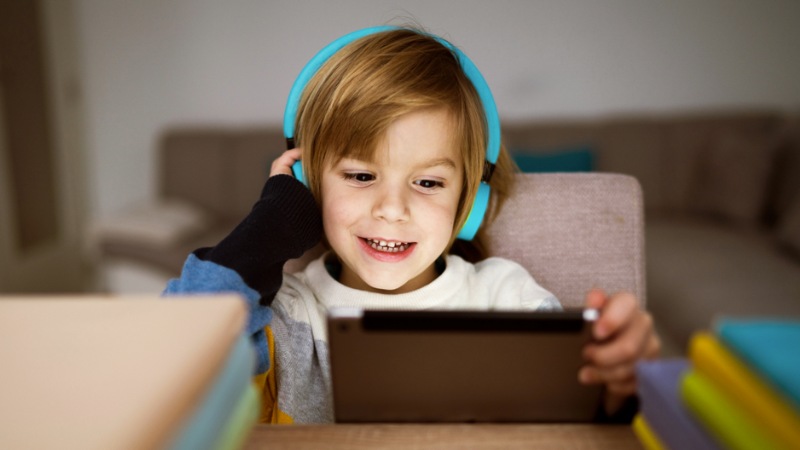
(460, 367)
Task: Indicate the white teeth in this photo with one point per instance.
(387, 246)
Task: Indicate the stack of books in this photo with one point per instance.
(739, 388)
(99, 373)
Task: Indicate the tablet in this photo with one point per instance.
(460, 366)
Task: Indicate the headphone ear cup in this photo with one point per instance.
(476, 213)
(297, 171)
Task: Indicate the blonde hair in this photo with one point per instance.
(361, 90)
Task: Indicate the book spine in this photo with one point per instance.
(646, 435)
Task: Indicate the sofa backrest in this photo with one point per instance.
(720, 164)
(672, 156)
(219, 169)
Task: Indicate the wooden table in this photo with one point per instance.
(443, 436)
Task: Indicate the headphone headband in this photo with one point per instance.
(481, 203)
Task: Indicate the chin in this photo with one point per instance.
(386, 285)
(389, 284)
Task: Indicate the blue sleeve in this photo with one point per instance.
(282, 225)
(207, 277)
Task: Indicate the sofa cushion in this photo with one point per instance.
(572, 159)
(785, 183)
(698, 270)
(252, 153)
(688, 140)
(190, 162)
(636, 146)
(732, 177)
(219, 169)
(549, 134)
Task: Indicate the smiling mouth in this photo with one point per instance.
(388, 246)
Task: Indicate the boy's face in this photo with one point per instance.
(389, 220)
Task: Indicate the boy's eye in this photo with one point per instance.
(429, 184)
(361, 177)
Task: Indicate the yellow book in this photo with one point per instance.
(646, 435)
(762, 404)
(723, 419)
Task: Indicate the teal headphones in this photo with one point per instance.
(481, 203)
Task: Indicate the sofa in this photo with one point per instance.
(721, 196)
(722, 201)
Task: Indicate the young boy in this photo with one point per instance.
(392, 135)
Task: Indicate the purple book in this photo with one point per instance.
(659, 382)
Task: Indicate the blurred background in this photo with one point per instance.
(89, 86)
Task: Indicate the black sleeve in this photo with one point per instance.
(284, 223)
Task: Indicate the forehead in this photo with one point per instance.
(423, 137)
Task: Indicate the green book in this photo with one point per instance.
(720, 416)
(762, 404)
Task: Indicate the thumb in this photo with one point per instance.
(596, 298)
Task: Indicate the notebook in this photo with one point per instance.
(460, 366)
(97, 372)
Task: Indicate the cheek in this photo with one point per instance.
(336, 213)
(443, 213)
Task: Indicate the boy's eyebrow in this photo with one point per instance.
(444, 161)
(440, 162)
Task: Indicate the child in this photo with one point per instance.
(392, 135)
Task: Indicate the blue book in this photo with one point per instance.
(770, 349)
(207, 425)
(658, 386)
(240, 421)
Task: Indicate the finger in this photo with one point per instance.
(595, 298)
(621, 373)
(295, 153)
(615, 314)
(283, 164)
(653, 349)
(622, 388)
(617, 391)
(631, 343)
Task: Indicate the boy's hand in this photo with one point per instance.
(623, 335)
(283, 164)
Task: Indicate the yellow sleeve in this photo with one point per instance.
(267, 386)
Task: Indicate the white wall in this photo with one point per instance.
(149, 64)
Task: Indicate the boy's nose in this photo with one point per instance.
(391, 205)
